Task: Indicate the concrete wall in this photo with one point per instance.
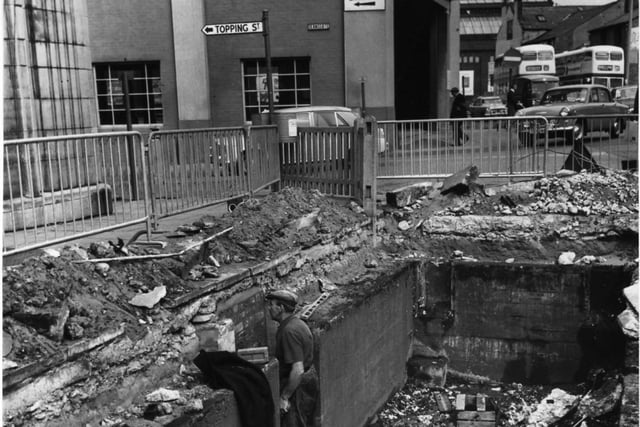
(47, 70)
(369, 55)
(363, 351)
(514, 323)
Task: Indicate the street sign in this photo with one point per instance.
(362, 5)
(233, 28)
(512, 55)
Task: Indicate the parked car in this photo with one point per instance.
(625, 95)
(290, 119)
(487, 106)
(569, 110)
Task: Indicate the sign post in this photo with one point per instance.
(267, 52)
(249, 28)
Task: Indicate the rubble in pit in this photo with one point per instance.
(59, 299)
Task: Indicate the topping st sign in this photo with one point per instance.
(233, 28)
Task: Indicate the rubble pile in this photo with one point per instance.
(586, 404)
(582, 194)
(76, 299)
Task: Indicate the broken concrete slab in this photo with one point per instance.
(602, 400)
(460, 181)
(40, 387)
(407, 195)
(553, 407)
(149, 299)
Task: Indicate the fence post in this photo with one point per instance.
(248, 149)
(364, 163)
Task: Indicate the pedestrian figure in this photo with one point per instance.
(294, 351)
(458, 110)
(513, 104)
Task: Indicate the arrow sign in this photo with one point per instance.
(233, 28)
(363, 5)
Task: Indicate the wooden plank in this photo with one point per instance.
(476, 416)
(461, 402)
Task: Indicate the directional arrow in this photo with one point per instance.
(365, 3)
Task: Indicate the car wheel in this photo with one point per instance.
(526, 139)
(616, 127)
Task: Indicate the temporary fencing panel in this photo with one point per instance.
(64, 187)
(263, 156)
(506, 146)
(320, 158)
(438, 148)
(194, 168)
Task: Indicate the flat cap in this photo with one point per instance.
(283, 295)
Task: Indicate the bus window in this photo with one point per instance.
(530, 56)
(545, 55)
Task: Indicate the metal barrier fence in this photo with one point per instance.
(503, 147)
(320, 158)
(63, 187)
(191, 169)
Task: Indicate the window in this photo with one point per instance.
(291, 80)
(145, 92)
(510, 29)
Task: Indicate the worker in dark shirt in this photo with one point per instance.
(294, 351)
(458, 110)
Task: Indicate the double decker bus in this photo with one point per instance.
(601, 64)
(531, 77)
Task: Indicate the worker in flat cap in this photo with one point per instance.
(294, 351)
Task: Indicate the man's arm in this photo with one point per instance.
(297, 369)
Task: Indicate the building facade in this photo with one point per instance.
(399, 58)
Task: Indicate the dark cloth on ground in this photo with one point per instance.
(249, 384)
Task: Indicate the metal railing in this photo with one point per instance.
(63, 187)
(320, 158)
(194, 168)
(502, 147)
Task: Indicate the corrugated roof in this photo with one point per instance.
(473, 25)
(547, 18)
(570, 23)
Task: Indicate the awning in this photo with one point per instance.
(470, 26)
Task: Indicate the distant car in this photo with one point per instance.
(290, 119)
(565, 108)
(625, 95)
(487, 106)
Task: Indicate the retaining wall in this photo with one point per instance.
(523, 323)
(363, 351)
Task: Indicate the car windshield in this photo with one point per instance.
(492, 100)
(579, 95)
(335, 118)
